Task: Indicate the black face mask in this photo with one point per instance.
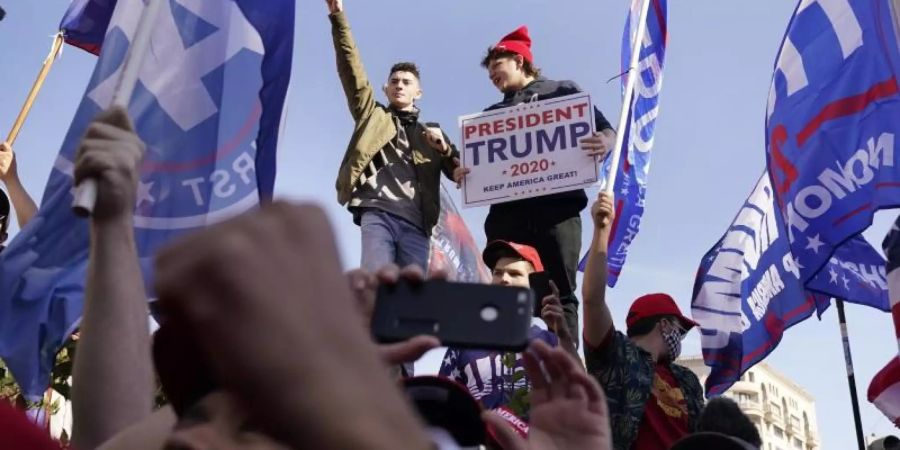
(672, 337)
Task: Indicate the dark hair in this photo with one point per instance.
(646, 325)
(723, 415)
(493, 53)
(405, 67)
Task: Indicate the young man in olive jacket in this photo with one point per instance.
(391, 172)
(550, 223)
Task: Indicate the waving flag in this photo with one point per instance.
(634, 165)
(748, 288)
(208, 105)
(832, 124)
(84, 24)
(884, 390)
(452, 247)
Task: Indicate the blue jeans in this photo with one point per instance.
(387, 239)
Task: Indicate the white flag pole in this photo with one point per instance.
(86, 191)
(895, 9)
(633, 74)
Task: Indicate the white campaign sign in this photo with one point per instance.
(527, 150)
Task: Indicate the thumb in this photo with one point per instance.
(503, 432)
(407, 351)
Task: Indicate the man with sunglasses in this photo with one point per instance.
(653, 402)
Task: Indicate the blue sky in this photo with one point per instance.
(708, 154)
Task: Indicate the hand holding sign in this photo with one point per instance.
(595, 145)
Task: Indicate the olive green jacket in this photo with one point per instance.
(375, 127)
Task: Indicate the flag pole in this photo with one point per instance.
(851, 378)
(633, 74)
(86, 191)
(35, 89)
(895, 9)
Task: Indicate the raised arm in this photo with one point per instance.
(113, 373)
(597, 318)
(22, 203)
(359, 92)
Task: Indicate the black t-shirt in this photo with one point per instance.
(554, 207)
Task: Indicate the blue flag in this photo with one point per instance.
(832, 121)
(634, 164)
(208, 105)
(748, 288)
(85, 22)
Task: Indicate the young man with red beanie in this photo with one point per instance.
(391, 172)
(653, 402)
(550, 223)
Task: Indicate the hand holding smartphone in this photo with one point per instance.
(461, 315)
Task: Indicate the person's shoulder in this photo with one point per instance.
(684, 373)
(498, 105)
(559, 87)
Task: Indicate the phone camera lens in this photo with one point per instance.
(489, 313)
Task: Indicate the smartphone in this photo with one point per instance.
(540, 284)
(461, 315)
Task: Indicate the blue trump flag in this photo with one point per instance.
(208, 105)
(832, 120)
(634, 164)
(85, 22)
(749, 290)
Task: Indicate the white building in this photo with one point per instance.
(784, 413)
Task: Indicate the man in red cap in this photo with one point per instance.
(391, 171)
(550, 223)
(653, 402)
(490, 375)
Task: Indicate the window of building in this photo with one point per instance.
(798, 443)
(795, 422)
(744, 398)
(778, 432)
(776, 410)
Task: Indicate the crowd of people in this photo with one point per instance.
(276, 352)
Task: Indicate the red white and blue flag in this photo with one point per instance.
(453, 249)
(208, 105)
(634, 164)
(884, 390)
(832, 124)
(832, 117)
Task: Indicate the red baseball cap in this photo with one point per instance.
(518, 42)
(495, 250)
(652, 305)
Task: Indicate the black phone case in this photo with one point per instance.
(453, 313)
(540, 284)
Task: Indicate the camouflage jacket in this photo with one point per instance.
(626, 373)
